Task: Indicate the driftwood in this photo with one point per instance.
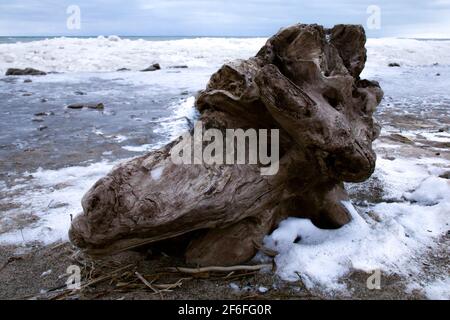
(305, 83)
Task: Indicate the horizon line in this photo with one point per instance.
(196, 36)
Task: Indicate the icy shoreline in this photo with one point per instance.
(392, 232)
(393, 235)
(110, 54)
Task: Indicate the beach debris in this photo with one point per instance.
(305, 82)
(445, 175)
(400, 138)
(24, 72)
(153, 67)
(75, 106)
(44, 114)
(95, 106)
(393, 64)
(46, 273)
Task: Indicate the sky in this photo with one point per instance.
(393, 18)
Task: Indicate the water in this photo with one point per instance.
(146, 38)
(39, 131)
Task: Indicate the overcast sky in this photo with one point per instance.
(401, 18)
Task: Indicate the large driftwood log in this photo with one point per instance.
(304, 82)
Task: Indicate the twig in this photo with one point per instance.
(238, 276)
(56, 246)
(106, 277)
(304, 287)
(177, 284)
(253, 296)
(148, 284)
(220, 269)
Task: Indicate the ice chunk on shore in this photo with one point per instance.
(64, 187)
(112, 53)
(109, 54)
(407, 230)
(431, 191)
(438, 289)
(157, 173)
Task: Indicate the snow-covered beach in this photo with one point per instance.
(52, 155)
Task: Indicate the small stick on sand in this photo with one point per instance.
(144, 281)
(221, 269)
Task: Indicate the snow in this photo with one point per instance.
(114, 38)
(120, 138)
(407, 52)
(406, 231)
(438, 289)
(157, 173)
(141, 148)
(431, 191)
(53, 196)
(46, 273)
(109, 54)
(263, 289)
(234, 286)
(436, 136)
(182, 112)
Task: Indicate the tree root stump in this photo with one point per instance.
(305, 83)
